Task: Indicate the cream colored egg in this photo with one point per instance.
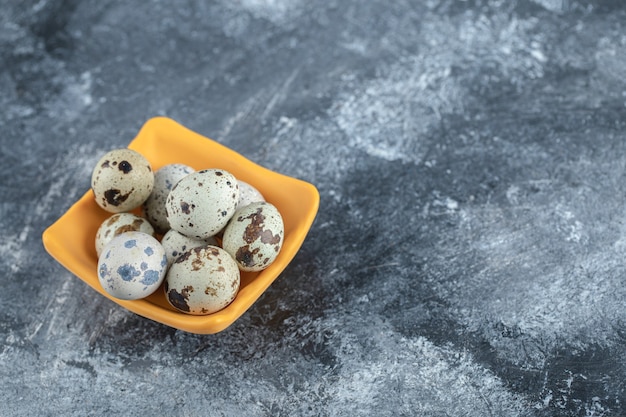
(122, 180)
(254, 236)
(132, 266)
(248, 194)
(120, 223)
(201, 204)
(165, 178)
(175, 244)
(202, 281)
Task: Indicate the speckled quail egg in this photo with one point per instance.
(248, 194)
(202, 281)
(120, 223)
(201, 204)
(164, 180)
(175, 244)
(132, 266)
(254, 236)
(122, 180)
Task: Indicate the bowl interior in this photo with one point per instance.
(70, 240)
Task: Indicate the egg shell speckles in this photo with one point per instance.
(132, 266)
(254, 236)
(122, 180)
(120, 223)
(248, 194)
(165, 179)
(175, 244)
(201, 204)
(202, 281)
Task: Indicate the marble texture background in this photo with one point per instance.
(468, 258)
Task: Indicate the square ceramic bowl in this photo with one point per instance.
(70, 240)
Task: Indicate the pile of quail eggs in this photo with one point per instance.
(196, 231)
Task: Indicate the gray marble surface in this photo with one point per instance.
(469, 255)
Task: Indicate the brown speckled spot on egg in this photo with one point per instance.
(245, 256)
(124, 229)
(210, 291)
(179, 300)
(105, 164)
(114, 196)
(254, 230)
(125, 167)
(134, 226)
(183, 257)
(185, 207)
(268, 237)
(254, 227)
(197, 264)
(219, 173)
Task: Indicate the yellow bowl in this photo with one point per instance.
(70, 240)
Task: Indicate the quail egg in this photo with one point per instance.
(132, 266)
(248, 194)
(201, 203)
(120, 223)
(122, 180)
(175, 244)
(202, 281)
(164, 180)
(254, 236)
